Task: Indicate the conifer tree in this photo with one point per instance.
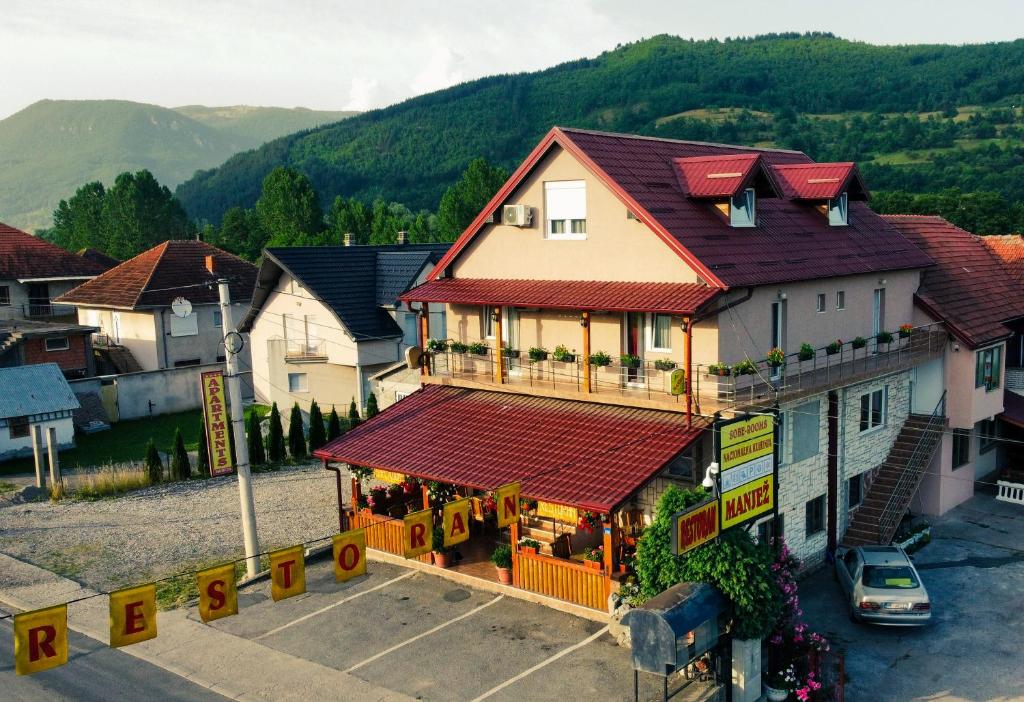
(257, 455)
(317, 435)
(296, 438)
(353, 415)
(231, 433)
(371, 406)
(333, 425)
(275, 436)
(154, 466)
(181, 468)
(203, 457)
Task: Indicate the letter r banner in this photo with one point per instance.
(218, 592)
(40, 639)
(349, 555)
(132, 615)
(418, 537)
(287, 573)
(507, 497)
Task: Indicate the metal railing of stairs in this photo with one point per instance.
(911, 476)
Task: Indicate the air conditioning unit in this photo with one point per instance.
(517, 215)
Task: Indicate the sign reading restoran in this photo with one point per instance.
(694, 526)
(218, 433)
(747, 468)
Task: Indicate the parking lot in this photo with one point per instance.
(974, 571)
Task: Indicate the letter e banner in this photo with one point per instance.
(218, 592)
(349, 555)
(507, 497)
(419, 533)
(132, 615)
(287, 573)
(455, 516)
(40, 639)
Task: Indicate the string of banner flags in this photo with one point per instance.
(41, 635)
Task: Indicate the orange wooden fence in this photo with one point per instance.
(566, 580)
(383, 533)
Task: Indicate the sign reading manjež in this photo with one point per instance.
(215, 413)
(747, 468)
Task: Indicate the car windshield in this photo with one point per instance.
(890, 577)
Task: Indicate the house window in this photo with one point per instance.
(855, 491)
(298, 382)
(780, 438)
(821, 302)
(988, 434)
(961, 447)
(815, 516)
(684, 464)
(772, 529)
(660, 332)
(58, 343)
(838, 214)
(185, 326)
(399, 395)
(188, 362)
(742, 210)
(841, 300)
(873, 409)
(988, 368)
(218, 319)
(565, 205)
(18, 427)
(5, 295)
(806, 430)
(487, 321)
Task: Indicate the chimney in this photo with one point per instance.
(210, 264)
(347, 239)
(401, 238)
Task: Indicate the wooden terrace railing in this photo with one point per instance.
(562, 579)
(383, 533)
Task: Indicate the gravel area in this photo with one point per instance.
(162, 530)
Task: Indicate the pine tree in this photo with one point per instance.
(154, 466)
(371, 406)
(181, 468)
(203, 457)
(317, 435)
(296, 438)
(254, 435)
(275, 436)
(353, 415)
(333, 425)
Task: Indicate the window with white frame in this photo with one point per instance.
(659, 332)
(820, 304)
(218, 319)
(988, 368)
(298, 382)
(841, 300)
(873, 409)
(565, 209)
(58, 343)
(487, 322)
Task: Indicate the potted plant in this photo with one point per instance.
(437, 345)
(776, 357)
(478, 348)
(720, 369)
(502, 560)
(628, 360)
(378, 499)
(744, 367)
(833, 348)
(859, 342)
(593, 557)
(780, 684)
(588, 521)
(884, 337)
(664, 364)
(527, 545)
(442, 553)
(562, 354)
(526, 506)
(458, 347)
(600, 359)
(363, 503)
(538, 353)
(806, 352)
(510, 353)
(905, 330)
(396, 493)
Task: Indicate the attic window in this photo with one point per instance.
(838, 214)
(742, 209)
(566, 209)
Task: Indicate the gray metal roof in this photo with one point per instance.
(36, 389)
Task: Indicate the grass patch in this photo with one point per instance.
(7, 487)
(110, 481)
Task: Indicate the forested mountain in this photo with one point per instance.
(918, 117)
(51, 147)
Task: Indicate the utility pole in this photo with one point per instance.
(232, 346)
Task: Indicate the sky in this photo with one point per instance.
(335, 54)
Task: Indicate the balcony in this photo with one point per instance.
(305, 351)
(44, 309)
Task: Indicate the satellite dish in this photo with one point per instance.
(181, 307)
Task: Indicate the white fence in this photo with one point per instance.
(1011, 492)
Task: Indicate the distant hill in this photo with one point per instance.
(52, 147)
(804, 91)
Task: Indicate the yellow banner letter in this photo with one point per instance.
(40, 639)
(507, 497)
(218, 592)
(349, 555)
(419, 536)
(132, 615)
(287, 573)
(455, 517)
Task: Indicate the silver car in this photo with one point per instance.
(882, 586)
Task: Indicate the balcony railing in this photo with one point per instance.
(305, 350)
(44, 308)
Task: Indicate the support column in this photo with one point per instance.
(585, 322)
(609, 554)
(424, 337)
(52, 448)
(425, 491)
(688, 349)
(356, 494)
(513, 535)
(499, 358)
(39, 455)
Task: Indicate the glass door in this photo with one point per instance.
(510, 338)
(878, 312)
(778, 339)
(633, 345)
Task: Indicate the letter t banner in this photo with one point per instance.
(218, 592)
(287, 573)
(507, 497)
(419, 533)
(40, 639)
(455, 518)
(349, 555)
(132, 615)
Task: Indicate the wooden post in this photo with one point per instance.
(356, 493)
(609, 549)
(499, 359)
(52, 449)
(425, 491)
(424, 337)
(585, 316)
(513, 535)
(39, 455)
(688, 346)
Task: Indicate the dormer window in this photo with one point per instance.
(838, 214)
(742, 208)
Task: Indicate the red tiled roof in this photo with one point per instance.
(574, 453)
(155, 277)
(1013, 409)
(1009, 248)
(681, 298)
(968, 288)
(23, 256)
(715, 176)
(815, 181)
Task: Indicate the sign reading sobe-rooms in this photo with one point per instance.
(747, 469)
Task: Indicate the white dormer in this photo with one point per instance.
(838, 212)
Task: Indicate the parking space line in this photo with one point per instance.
(428, 632)
(336, 604)
(552, 659)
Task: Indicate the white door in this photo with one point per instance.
(778, 332)
(878, 312)
(510, 337)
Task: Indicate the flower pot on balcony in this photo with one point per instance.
(593, 565)
(442, 560)
(775, 694)
(528, 549)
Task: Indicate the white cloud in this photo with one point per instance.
(362, 93)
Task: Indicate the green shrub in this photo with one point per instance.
(806, 352)
(563, 355)
(334, 429)
(502, 556)
(181, 468)
(154, 466)
(275, 436)
(478, 347)
(317, 434)
(538, 353)
(437, 345)
(600, 358)
(664, 364)
(257, 454)
(859, 342)
(353, 415)
(458, 347)
(744, 367)
(371, 406)
(203, 453)
(296, 436)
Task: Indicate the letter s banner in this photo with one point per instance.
(349, 555)
(132, 615)
(418, 537)
(507, 497)
(40, 639)
(287, 573)
(455, 517)
(218, 592)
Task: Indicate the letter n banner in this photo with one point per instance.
(419, 533)
(349, 555)
(507, 497)
(218, 592)
(132, 615)
(40, 639)
(287, 573)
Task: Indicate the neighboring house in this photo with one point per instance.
(1009, 248)
(325, 319)
(30, 396)
(131, 305)
(34, 272)
(395, 383)
(973, 294)
(664, 255)
(26, 342)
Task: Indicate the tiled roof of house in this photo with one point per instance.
(816, 181)
(24, 257)
(573, 453)
(355, 282)
(35, 389)
(681, 298)
(1009, 248)
(715, 176)
(968, 288)
(99, 258)
(157, 276)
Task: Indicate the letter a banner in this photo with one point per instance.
(349, 555)
(218, 592)
(287, 573)
(455, 518)
(132, 615)
(215, 416)
(419, 533)
(40, 639)
(507, 497)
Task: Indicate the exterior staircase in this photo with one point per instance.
(552, 542)
(116, 359)
(898, 479)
